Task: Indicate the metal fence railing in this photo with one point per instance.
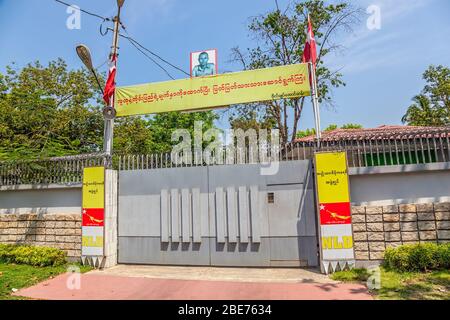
(381, 150)
(45, 171)
(377, 150)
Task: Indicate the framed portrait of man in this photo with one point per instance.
(204, 63)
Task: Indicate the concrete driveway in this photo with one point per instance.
(130, 282)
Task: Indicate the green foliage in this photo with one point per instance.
(418, 257)
(414, 285)
(432, 106)
(402, 285)
(352, 275)
(48, 111)
(163, 124)
(34, 256)
(422, 113)
(132, 136)
(352, 126)
(138, 135)
(22, 276)
(306, 133)
(252, 120)
(331, 127)
(280, 36)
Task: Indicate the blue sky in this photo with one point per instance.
(382, 68)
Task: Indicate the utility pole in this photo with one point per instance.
(109, 121)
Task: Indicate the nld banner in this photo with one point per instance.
(333, 194)
(215, 91)
(93, 214)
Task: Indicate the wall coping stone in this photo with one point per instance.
(42, 186)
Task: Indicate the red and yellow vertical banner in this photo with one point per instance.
(93, 211)
(333, 194)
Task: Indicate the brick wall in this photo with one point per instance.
(61, 231)
(376, 228)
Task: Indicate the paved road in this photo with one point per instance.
(179, 283)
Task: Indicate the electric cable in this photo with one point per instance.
(153, 60)
(154, 54)
(134, 42)
(82, 10)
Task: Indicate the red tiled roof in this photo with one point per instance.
(385, 131)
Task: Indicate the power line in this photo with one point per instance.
(135, 43)
(101, 65)
(82, 10)
(153, 60)
(140, 47)
(154, 54)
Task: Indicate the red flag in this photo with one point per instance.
(335, 213)
(111, 82)
(310, 51)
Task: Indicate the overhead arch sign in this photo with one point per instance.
(291, 81)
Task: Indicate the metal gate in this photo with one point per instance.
(227, 215)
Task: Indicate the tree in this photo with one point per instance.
(50, 111)
(132, 135)
(145, 135)
(306, 133)
(331, 127)
(163, 124)
(281, 37)
(351, 126)
(432, 106)
(43, 112)
(250, 120)
(422, 113)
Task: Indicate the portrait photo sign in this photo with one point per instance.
(199, 93)
(333, 194)
(204, 63)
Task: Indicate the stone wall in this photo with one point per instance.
(376, 228)
(62, 231)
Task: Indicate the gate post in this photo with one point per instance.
(110, 258)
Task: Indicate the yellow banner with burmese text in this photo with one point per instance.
(291, 81)
(93, 187)
(332, 177)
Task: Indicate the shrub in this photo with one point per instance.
(418, 257)
(34, 256)
(443, 255)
